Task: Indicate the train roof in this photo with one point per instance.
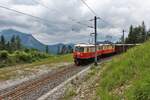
(126, 44)
(84, 45)
(89, 45)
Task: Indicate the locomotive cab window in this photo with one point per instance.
(79, 49)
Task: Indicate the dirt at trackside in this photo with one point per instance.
(19, 75)
(85, 89)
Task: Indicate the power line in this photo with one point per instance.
(38, 18)
(95, 13)
(35, 17)
(49, 8)
(89, 7)
(73, 20)
(103, 20)
(106, 22)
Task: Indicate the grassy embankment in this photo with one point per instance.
(55, 59)
(127, 77)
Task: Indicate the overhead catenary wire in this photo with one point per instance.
(44, 20)
(94, 13)
(47, 22)
(102, 21)
(70, 18)
(74, 20)
(39, 19)
(35, 17)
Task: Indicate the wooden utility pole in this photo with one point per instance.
(95, 28)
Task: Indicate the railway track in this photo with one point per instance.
(35, 88)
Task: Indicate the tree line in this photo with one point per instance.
(137, 34)
(12, 52)
(12, 45)
(65, 49)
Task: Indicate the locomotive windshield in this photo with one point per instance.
(79, 49)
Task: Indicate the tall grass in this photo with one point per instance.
(127, 76)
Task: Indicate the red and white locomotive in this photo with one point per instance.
(86, 52)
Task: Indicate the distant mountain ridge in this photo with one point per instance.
(29, 41)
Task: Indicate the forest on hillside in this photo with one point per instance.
(12, 52)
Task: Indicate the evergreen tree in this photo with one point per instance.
(2, 42)
(137, 34)
(130, 35)
(13, 44)
(148, 34)
(18, 43)
(136, 38)
(0, 45)
(8, 47)
(64, 50)
(70, 49)
(47, 49)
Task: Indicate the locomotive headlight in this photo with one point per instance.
(78, 53)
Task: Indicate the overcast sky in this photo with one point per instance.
(59, 27)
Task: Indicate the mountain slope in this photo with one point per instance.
(29, 41)
(26, 39)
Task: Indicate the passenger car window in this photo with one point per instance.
(87, 49)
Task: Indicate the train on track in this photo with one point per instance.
(85, 53)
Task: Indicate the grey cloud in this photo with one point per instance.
(23, 2)
(119, 14)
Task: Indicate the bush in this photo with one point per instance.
(2, 65)
(3, 54)
(39, 54)
(23, 56)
